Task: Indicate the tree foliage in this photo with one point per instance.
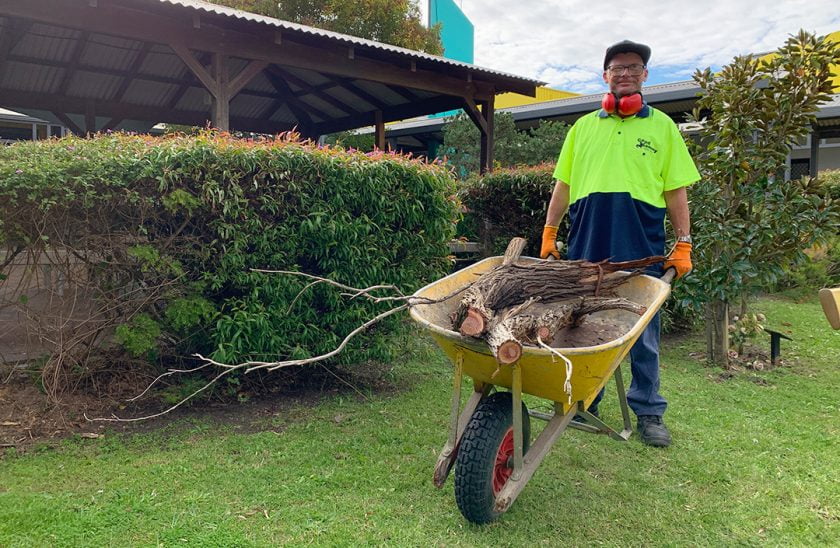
(461, 143)
(748, 221)
(396, 22)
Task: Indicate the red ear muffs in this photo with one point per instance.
(625, 106)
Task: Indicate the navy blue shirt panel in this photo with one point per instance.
(614, 226)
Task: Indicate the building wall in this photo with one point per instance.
(17, 127)
(457, 32)
(827, 158)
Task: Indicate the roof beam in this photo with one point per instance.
(405, 93)
(197, 69)
(258, 44)
(311, 90)
(75, 57)
(189, 82)
(10, 37)
(400, 112)
(180, 92)
(142, 53)
(245, 75)
(350, 86)
(298, 107)
(68, 123)
(475, 115)
(114, 109)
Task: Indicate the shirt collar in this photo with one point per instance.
(644, 113)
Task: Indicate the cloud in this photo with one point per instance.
(563, 41)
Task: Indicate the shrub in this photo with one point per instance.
(512, 147)
(510, 202)
(158, 236)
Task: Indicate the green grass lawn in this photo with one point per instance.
(755, 460)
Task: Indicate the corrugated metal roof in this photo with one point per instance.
(25, 77)
(47, 42)
(148, 93)
(224, 11)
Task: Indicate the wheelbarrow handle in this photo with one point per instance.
(668, 277)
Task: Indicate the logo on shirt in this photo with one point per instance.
(644, 144)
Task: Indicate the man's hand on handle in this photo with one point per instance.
(549, 243)
(679, 258)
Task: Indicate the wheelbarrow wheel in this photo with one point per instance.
(485, 457)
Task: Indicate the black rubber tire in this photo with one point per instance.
(476, 461)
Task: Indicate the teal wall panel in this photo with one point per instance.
(457, 32)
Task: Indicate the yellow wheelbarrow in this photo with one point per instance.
(489, 438)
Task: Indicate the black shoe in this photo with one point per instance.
(652, 431)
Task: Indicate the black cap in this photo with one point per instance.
(626, 46)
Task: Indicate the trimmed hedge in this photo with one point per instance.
(167, 230)
(508, 203)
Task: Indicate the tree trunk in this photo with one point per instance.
(717, 332)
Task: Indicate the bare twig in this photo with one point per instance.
(333, 373)
(165, 411)
(170, 372)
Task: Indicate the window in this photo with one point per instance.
(799, 168)
(15, 131)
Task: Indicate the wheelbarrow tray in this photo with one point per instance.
(543, 373)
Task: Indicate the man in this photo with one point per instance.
(620, 170)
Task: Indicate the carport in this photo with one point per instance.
(97, 65)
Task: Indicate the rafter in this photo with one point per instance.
(75, 57)
(400, 112)
(301, 83)
(68, 123)
(189, 80)
(350, 86)
(298, 107)
(133, 70)
(113, 109)
(10, 37)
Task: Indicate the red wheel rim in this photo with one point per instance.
(501, 469)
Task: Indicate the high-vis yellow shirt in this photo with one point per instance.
(618, 170)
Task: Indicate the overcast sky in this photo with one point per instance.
(562, 42)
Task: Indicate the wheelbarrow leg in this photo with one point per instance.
(594, 425)
(624, 435)
(457, 421)
(516, 388)
(535, 456)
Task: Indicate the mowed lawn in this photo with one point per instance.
(755, 460)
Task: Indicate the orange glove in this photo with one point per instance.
(679, 259)
(549, 242)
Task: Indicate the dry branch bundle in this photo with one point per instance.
(492, 307)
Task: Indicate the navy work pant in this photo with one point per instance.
(643, 396)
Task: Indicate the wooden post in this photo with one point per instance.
(90, 118)
(487, 112)
(379, 125)
(220, 114)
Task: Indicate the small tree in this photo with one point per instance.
(461, 143)
(750, 222)
(396, 22)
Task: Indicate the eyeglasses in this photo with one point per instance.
(634, 69)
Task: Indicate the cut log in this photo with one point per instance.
(473, 324)
(503, 343)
